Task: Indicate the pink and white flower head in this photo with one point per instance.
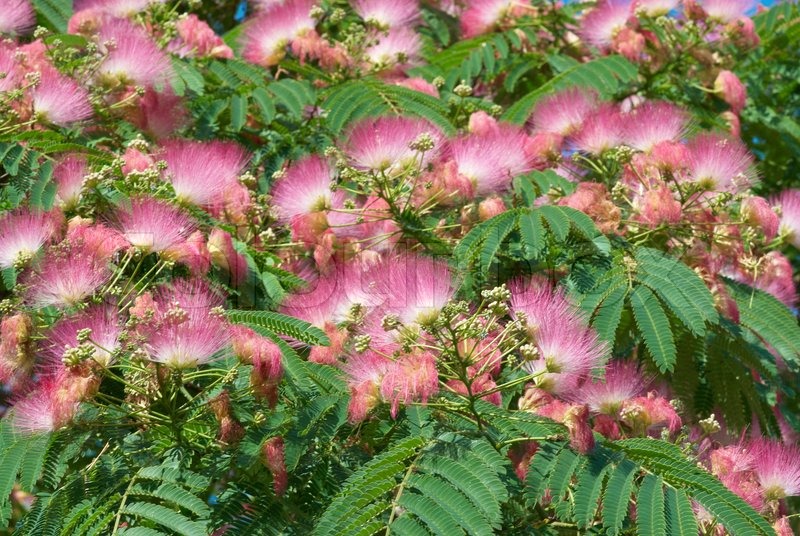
(605, 21)
(184, 330)
(654, 8)
(383, 144)
(602, 130)
(412, 377)
(777, 467)
(159, 114)
(720, 164)
(657, 206)
(305, 188)
(726, 10)
(563, 112)
(133, 59)
(415, 288)
(24, 232)
(95, 238)
(365, 373)
(567, 350)
(649, 415)
(17, 348)
(197, 39)
(490, 161)
(267, 36)
(17, 17)
(8, 69)
(728, 86)
(788, 205)
(151, 225)
(199, 171)
(117, 8)
(388, 13)
(622, 382)
(68, 274)
(774, 275)
(654, 122)
(43, 410)
(481, 16)
(69, 174)
(397, 49)
(758, 212)
(104, 323)
(418, 84)
(60, 100)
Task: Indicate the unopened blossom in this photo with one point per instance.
(196, 38)
(728, 86)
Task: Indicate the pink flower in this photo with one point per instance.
(726, 10)
(159, 114)
(788, 204)
(622, 382)
(365, 374)
(567, 350)
(731, 90)
(757, 212)
(104, 323)
(490, 161)
(8, 69)
(192, 253)
(67, 275)
(601, 24)
(397, 49)
(134, 58)
(654, 122)
(200, 171)
(267, 36)
(581, 437)
(305, 188)
(60, 100)
(773, 275)
(412, 377)
(96, 239)
(647, 415)
(594, 199)
(563, 112)
(69, 175)
(266, 358)
(481, 16)
(777, 467)
(383, 144)
(388, 13)
(659, 206)
(654, 8)
(601, 130)
(152, 225)
(196, 38)
(417, 84)
(46, 409)
(23, 233)
(491, 207)
(629, 43)
(184, 332)
(273, 457)
(117, 8)
(17, 17)
(224, 255)
(720, 164)
(16, 347)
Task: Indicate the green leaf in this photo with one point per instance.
(165, 517)
(654, 326)
(650, 519)
(679, 514)
(281, 324)
(617, 497)
(588, 489)
(265, 105)
(55, 13)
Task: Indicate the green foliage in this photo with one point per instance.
(53, 13)
(281, 324)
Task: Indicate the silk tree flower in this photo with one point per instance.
(104, 327)
(365, 373)
(728, 86)
(183, 330)
(655, 8)
(601, 130)
(60, 100)
(17, 347)
(396, 49)
(8, 69)
(266, 358)
(777, 467)
(566, 349)
(44, 409)
(563, 112)
(482, 16)
(69, 175)
(200, 171)
(117, 8)
(225, 256)
(595, 201)
(600, 25)
(197, 39)
(720, 164)
(17, 17)
(151, 225)
(24, 232)
(758, 212)
(66, 276)
(788, 205)
(267, 36)
(388, 13)
(623, 381)
(654, 122)
(98, 240)
(304, 189)
(383, 144)
(773, 275)
(160, 114)
(726, 10)
(418, 84)
(412, 377)
(133, 59)
(490, 161)
(369, 225)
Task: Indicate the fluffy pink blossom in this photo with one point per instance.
(200, 171)
(604, 21)
(69, 175)
(133, 59)
(305, 188)
(224, 255)
(104, 323)
(726, 10)
(192, 253)
(728, 86)
(397, 49)
(365, 373)
(623, 381)
(95, 238)
(774, 275)
(481, 16)
(720, 164)
(412, 377)
(654, 122)
(419, 84)
(383, 144)
(266, 358)
(16, 347)
(184, 332)
(658, 206)
(196, 38)
(654, 8)
(491, 207)
(117, 8)
(60, 100)
(758, 212)
(160, 114)
(24, 232)
(563, 112)
(267, 36)
(273, 456)
(603, 129)
(777, 467)
(388, 13)
(8, 69)
(152, 225)
(648, 415)
(43, 410)
(788, 205)
(594, 199)
(17, 17)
